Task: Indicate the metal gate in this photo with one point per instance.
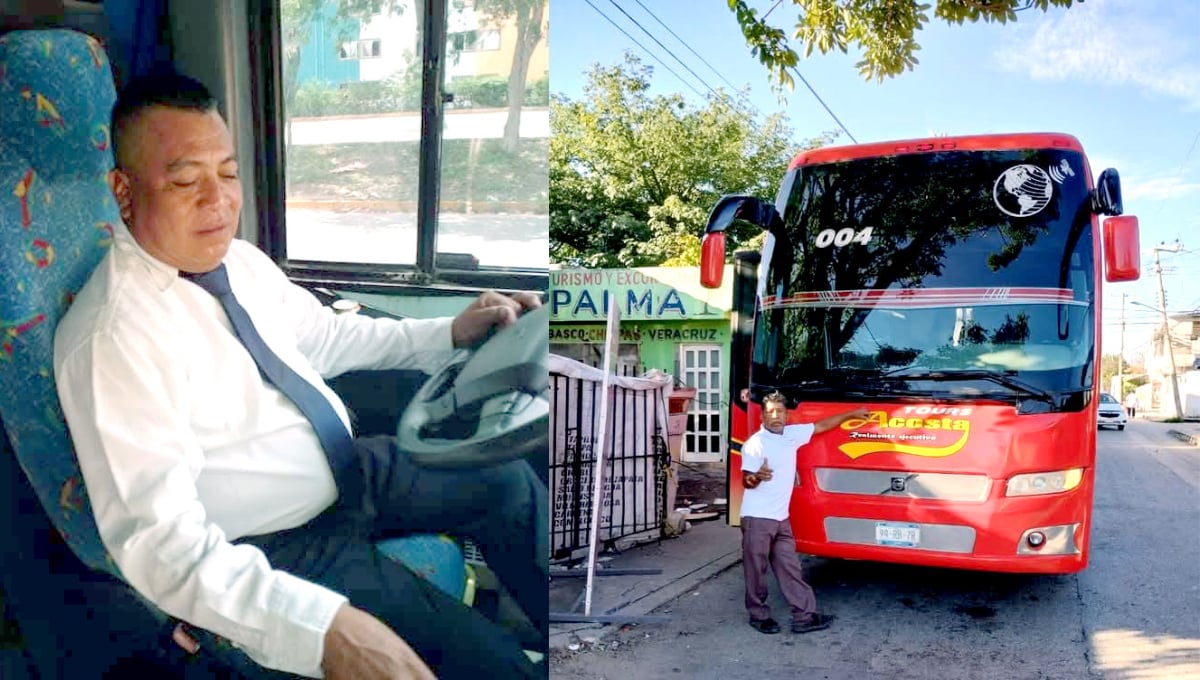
(634, 496)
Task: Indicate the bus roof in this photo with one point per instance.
(1022, 140)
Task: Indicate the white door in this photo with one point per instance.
(700, 367)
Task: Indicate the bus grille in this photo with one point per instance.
(904, 484)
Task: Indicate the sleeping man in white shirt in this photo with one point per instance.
(214, 493)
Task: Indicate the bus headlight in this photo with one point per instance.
(1040, 483)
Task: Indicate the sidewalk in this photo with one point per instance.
(706, 549)
(1187, 431)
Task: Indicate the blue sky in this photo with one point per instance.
(1123, 76)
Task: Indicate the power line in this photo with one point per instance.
(823, 104)
(1179, 172)
(664, 47)
(1188, 155)
(652, 55)
(1142, 317)
(811, 88)
(1134, 316)
(794, 70)
(689, 47)
(777, 3)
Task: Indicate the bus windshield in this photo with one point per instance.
(955, 273)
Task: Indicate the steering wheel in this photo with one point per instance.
(486, 406)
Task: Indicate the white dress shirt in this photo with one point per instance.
(184, 448)
(771, 498)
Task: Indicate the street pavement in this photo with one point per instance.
(406, 127)
(699, 567)
(390, 237)
(365, 231)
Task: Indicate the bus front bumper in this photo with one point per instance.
(1022, 535)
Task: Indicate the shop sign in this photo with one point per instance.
(590, 334)
(652, 293)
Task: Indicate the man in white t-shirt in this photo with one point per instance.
(1131, 404)
(769, 476)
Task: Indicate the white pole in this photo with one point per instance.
(1167, 329)
(1121, 355)
(612, 337)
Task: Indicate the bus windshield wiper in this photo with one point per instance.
(1009, 381)
(804, 385)
(839, 384)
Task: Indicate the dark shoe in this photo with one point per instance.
(814, 622)
(768, 626)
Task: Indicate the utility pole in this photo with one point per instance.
(1121, 356)
(1162, 296)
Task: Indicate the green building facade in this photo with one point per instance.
(668, 321)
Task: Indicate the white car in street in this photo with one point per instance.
(1110, 413)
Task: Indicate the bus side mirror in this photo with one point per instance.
(712, 259)
(1106, 197)
(1122, 254)
(712, 250)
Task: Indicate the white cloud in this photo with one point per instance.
(1159, 188)
(1148, 43)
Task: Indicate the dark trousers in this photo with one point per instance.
(770, 542)
(503, 509)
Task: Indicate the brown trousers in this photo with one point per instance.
(768, 541)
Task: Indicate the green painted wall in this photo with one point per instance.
(657, 341)
(641, 293)
(661, 308)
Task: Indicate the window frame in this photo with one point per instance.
(376, 43)
(484, 36)
(478, 38)
(453, 38)
(421, 277)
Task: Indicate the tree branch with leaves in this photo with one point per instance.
(884, 31)
(634, 175)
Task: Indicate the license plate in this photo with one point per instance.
(902, 535)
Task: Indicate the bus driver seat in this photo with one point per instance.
(56, 221)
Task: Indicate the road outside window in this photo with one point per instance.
(352, 107)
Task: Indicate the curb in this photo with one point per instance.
(448, 207)
(414, 114)
(654, 599)
(1184, 437)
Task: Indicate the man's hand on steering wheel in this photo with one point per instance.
(490, 404)
(490, 312)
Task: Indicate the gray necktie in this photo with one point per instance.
(335, 440)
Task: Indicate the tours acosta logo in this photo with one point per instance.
(930, 431)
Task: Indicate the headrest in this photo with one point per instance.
(56, 97)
